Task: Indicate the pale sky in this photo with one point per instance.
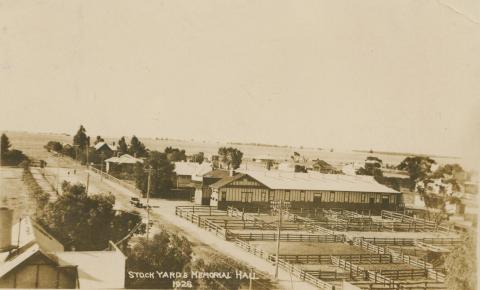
(400, 75)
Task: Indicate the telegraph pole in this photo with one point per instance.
(88, 174)
(280, 213)
(149, 182)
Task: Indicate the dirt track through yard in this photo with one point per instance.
(309, 248)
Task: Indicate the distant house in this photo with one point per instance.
(125, 162)
(203, 191)
(31, 258)
(256, 189)
(186, 172)
(104, 148)
(351, 168)
(323, 167)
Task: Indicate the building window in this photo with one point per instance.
(302, 195)
(224, 196)
(264, 196)
(270, 196)
(364, 197)
(385, 199)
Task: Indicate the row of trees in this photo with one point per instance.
(9, 156)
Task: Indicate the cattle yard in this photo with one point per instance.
(326, 247)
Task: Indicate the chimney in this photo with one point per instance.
(6, 216)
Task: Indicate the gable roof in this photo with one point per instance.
(19, 257)
(124, 159)
(192, 168)
(226, 180)
(31, 232)
(311, 181)
(101, 144)
(216, 173)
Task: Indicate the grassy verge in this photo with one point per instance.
(35, 189)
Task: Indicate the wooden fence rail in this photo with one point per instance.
(405, 218)
(326, 259)
(400, 257)
(116, 180)
(289, 237)
(361, 273)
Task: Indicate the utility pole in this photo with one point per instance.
(280, 213)
(149, 182)
(101, 165)
(88, 174)
(251, 278)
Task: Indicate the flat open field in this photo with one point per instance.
(308, 248)
(14, 194)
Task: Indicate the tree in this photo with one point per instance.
(54, 146)
(453, 174)
(98, 140)
(122, 146)
(230, 157)
(461, 265)
(175, 154)
(11, 157)
(221, 264)
(295, 157)
(162, 174)
(5, 144)
(199, 157)
(85, 222)
(68, 150)
(166, 252)
(137, 148)
(418, 167)
(81, 139)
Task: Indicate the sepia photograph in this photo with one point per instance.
(239, 144)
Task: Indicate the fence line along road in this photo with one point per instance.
(116, 180)
(326, 259)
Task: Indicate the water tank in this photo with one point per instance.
(6, 216)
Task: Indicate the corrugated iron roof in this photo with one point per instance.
(311, 181)
(226, 180)
(124, 159)
(101, 144)
(192, 168)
